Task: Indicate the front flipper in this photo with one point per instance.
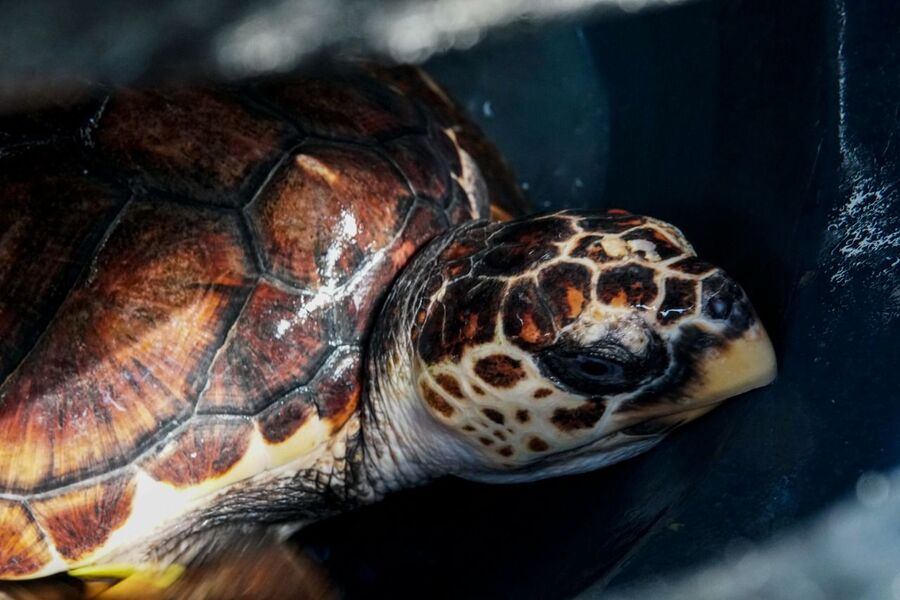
(124, 581)
(251, 571)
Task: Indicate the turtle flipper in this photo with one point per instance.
(264, 571)
(122, 580)
(256, 570)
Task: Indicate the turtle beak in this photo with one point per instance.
(742, 364)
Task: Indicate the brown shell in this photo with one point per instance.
(172, 257)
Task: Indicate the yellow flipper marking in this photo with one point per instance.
(134, 580)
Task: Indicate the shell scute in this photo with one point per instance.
(278, 343)
(344, 107)
(422, 163)
(203, 451)
(23, 549)
(81, 519)
(358, 303)
(326, 211)
(200, 144)
(337, 393)
(49, 221)
(282, 420)
(129, 348)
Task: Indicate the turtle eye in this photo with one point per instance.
(592, 371)
(598, 367)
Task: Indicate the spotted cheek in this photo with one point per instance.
(480, 396)
(496, 398)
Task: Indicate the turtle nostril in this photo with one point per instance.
(719, 307)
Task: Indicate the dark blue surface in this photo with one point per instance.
(768, 132)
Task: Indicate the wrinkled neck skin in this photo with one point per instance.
(400, 444)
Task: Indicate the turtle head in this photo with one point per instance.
(564, 342)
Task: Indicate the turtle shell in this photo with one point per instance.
(187, 278)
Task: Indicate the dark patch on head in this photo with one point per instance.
(664, 247)
(530, 231)
(468, 428)
(680, 300)
(449, 383)
(567, 288)
(508, 260)
(536, 444)
(478, 390)
(436, 401)
(583, 417)
(518, 246)
(486, 441)
(456, 269)
(467, 241)
(460, 248)
(430, 341)
(505, 451)
(692, 265)
(628, 285)
(494, 415)
(465, 317)
(724, 300)
(434, 283)
(500, 436)
(522, 416)
(611, 222)
(526, 321)
(542, 393)
(688, 348)
(591, 246)
(500, 370)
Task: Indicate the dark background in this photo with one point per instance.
(768, 132)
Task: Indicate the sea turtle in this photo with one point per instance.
(225, 310)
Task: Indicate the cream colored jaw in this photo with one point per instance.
(739, 366)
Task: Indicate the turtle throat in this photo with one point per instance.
(400, 444)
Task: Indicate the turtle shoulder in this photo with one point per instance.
(187, 279)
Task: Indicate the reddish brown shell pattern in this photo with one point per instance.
(183, 270)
